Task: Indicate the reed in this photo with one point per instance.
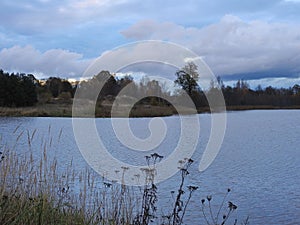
(35, 191)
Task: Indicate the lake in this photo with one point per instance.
(259, 159)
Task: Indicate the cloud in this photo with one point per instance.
(54, 62)
(232, 46)
(35, 16)
(41, 16)
(229, 44)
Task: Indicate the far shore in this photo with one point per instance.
(65, 110)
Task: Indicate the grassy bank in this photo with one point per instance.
(45, 110)
(65, 110)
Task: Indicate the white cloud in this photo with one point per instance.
(186, 60)
(54, 62)
(231, 46)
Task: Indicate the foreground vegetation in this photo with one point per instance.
(36, 191)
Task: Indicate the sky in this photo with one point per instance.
(258, 41)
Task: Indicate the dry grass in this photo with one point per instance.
(45, 110)
(65, 110)
(35, 191)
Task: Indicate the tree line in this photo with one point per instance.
(239, 94)
(19, 89)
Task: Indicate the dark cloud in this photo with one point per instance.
(43, 15)
(232, 46)
(262, 36)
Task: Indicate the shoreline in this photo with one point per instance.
(65, 110)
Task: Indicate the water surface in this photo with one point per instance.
(259, 159)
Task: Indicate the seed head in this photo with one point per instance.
(209, 197)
